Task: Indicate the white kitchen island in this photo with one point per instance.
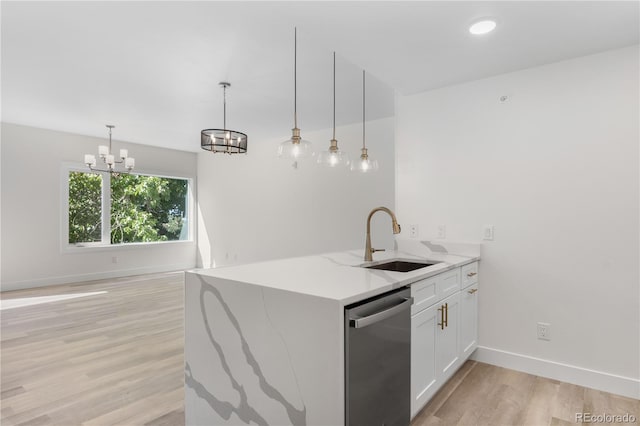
(264, 342)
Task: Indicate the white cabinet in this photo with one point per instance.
(468, 320)
(424, 327)
(447, 338)
(444, 330)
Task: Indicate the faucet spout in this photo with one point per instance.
(368, 250)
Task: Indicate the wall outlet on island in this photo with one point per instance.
(114, 259)
(413, 231)
(442, 232)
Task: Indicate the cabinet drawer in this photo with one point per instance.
(424, 294)
(469, 274)
(448, 283)
(433, 289)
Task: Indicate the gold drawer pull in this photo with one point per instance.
(473, 290)
(471, 274)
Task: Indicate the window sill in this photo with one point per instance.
(97, 247)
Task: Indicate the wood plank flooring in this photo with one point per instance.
(116, 358)
(483, 394)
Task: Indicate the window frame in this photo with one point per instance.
(66, 247)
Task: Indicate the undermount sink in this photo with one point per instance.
(400, 265)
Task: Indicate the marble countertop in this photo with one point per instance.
(337, 276)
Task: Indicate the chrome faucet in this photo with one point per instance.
(368, 250)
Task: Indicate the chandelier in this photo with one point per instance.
(105, 154)
(223, 140)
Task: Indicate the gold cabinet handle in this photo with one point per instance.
(471, 274)
(441, 323)
(446, 315)
(473, 290)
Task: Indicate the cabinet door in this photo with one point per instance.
(468, 321)
(447, 338)
(424, 327)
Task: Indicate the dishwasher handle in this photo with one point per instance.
(362, 322)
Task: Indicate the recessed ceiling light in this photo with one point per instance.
(482, 27)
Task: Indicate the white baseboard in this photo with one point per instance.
(611, 383)
(67, 279)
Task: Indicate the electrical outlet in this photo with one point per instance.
(442, 232)
(413, 231)
(487, 232)
(114, 259)
(544, 331)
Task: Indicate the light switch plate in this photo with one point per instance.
(487, 232)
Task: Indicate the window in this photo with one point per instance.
(85, 207)
(127, 208)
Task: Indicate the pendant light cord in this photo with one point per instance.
(224, 106)
(295, 77)
(334, 95)
(363, 109)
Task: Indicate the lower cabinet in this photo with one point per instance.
(423, 357)
(434, 349)
(468, 320)
(443, 336)
(448, 338)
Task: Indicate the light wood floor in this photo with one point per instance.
(117, 359)
(482, 394)
(110, 359)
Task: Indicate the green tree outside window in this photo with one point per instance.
(143, 208)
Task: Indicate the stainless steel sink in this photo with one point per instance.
(400, 265)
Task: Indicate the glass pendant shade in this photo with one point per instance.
(333, 157)
(295, 147)
(364, 164)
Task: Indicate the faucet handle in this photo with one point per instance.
(373, 250)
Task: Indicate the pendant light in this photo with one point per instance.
(223, 140)
(333, 157)
(295, 147)
(106, 155)
(364, 164)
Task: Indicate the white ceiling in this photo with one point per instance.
(152, 68)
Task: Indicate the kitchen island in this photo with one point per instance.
(264, 342)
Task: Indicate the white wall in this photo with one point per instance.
(555, 170)
(31, 211)
(256, 207)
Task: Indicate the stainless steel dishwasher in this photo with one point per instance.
(378, 360)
